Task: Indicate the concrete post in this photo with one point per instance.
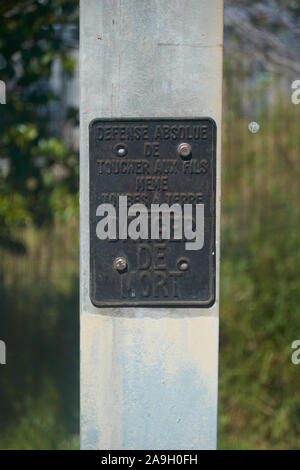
(148, 375)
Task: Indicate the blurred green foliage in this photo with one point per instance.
(32, 37)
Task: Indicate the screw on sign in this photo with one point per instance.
(184, 150)
(2, 92)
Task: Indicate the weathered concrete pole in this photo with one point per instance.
(148, 374)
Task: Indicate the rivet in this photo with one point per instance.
(183, 264)
(120, 264)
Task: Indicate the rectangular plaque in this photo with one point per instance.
(152, 212)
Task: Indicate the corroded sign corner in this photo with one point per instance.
(152, 212)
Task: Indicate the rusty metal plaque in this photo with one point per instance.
(152, 212)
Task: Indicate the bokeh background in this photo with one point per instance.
(259, 404)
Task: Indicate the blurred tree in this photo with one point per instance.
(33, 36)
(267, 31)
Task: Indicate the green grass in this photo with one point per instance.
(260, 285)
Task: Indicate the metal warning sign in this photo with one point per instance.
(152, 212)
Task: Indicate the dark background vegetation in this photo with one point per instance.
(260, 282)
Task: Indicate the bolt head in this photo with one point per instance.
(183, 264)
(121, 152)
(184, 150)
(120, 264)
